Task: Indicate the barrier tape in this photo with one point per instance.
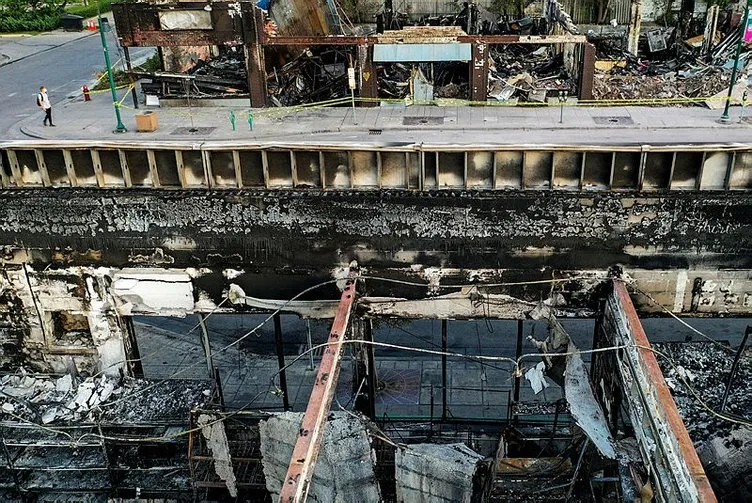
(278, 112)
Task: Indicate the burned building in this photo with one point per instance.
(163, 304)
(443, 307)
(279, 57)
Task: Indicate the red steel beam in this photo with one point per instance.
(306, 451)
(662, 392)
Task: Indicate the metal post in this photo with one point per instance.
(742, 26)
(372, 380)
(310, 345)
(562, 100)
(352, 84)
(187, 85)
(281, 360)
(205, 343)
(443, 370)
(735, 367)
(120, 128)
(129, 66)
(518, 353)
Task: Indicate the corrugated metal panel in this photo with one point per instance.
(586, 13)
(431, 7)
(300, 17)
(405, 53)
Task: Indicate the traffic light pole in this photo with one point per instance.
(742, 29)
(120, 128)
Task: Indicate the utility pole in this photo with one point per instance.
(120, 128)
(742, 29)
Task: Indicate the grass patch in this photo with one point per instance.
(87, 11)
(121, 78)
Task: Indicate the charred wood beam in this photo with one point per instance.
(307, 447)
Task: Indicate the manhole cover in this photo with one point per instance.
(422, 121)
(194, 130)
(613, 121)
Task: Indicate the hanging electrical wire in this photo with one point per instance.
(634, 288)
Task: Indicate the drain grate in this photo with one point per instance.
(422, 121)
(194, 130)
(614, 120)
(374, 131)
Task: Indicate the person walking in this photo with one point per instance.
(43, 102)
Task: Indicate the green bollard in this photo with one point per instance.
(232, 119)
(250, 121)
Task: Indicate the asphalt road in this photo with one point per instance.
(62, 69)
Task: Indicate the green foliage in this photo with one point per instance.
(360, 11)
(511, 7)
(30, 15)
(87, 11)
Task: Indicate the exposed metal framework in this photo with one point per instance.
(241, 24)
(369, 167)
(304, 455)
(632, 375)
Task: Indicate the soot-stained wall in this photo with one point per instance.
(319, 229)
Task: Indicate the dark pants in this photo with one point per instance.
(48, 116)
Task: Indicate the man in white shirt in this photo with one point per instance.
(43, 102)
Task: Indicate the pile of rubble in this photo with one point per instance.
(316, 74)
(645, 80)
(45, 400)
(672, 70)
(529, 73)
(706, 367)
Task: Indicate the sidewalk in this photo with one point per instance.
(496, 125)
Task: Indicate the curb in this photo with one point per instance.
(33, 135)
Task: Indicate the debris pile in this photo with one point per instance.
(645, 80)
(529, 73)
(705, 367)
(44, 399)
(316, 74)
(671, 70)
(224, 76)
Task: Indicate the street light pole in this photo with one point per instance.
(742, 29)
(120, 128)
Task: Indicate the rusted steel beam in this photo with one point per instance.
(255, 66)
(479, 73)
(368, 87)
(328, 40)
(663, 394)
(587, 72)
(306, 451)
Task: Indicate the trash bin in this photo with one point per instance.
(146, 122)
(71, 22)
